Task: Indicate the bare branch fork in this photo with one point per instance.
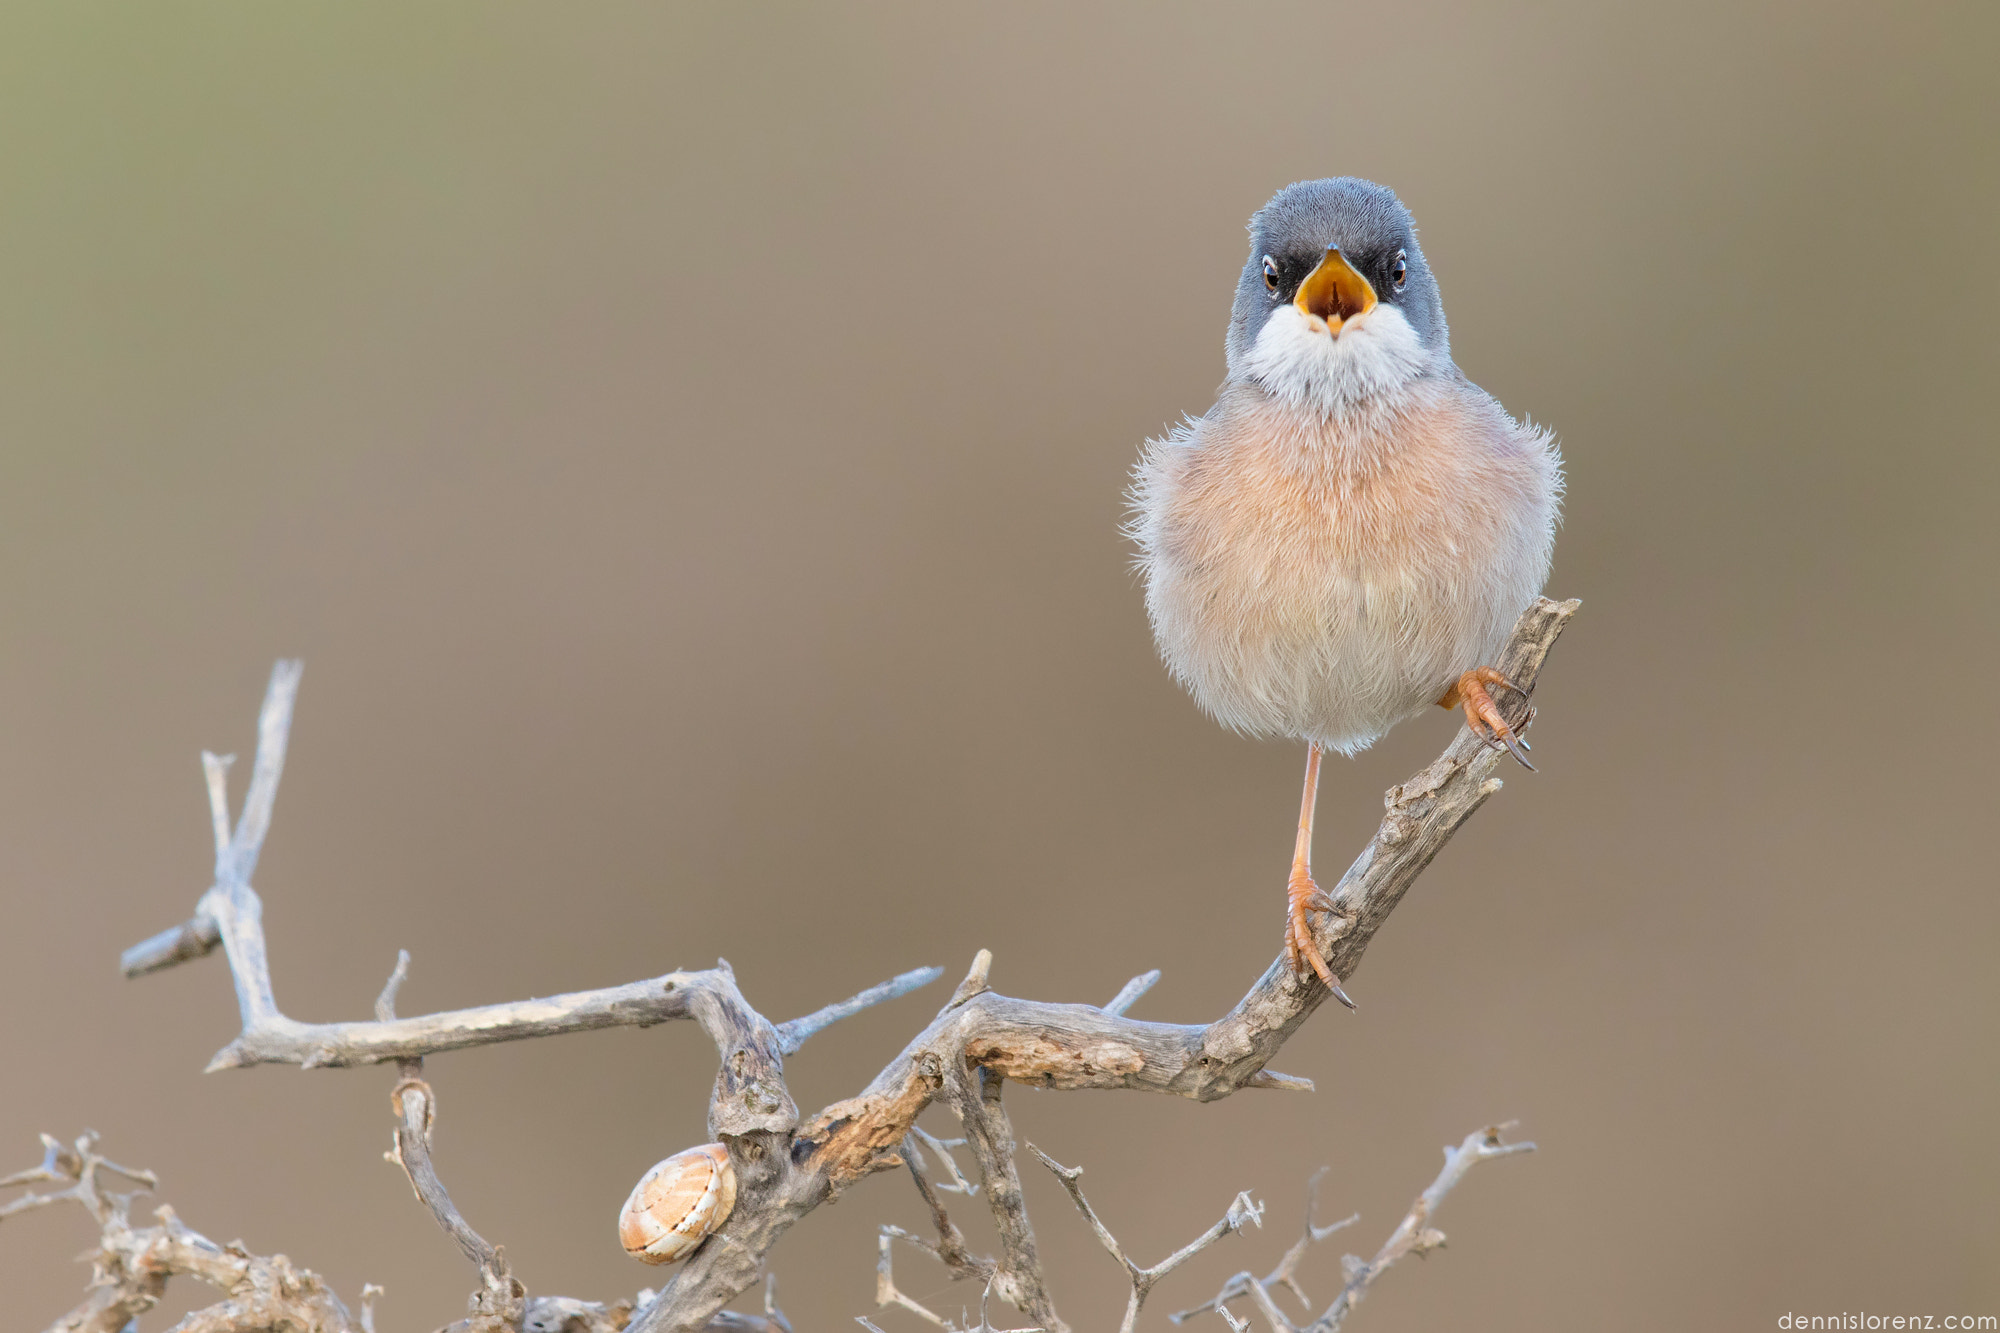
(1413, 1235)
(1244, 1211)
(785, 1165)
(131, 1266)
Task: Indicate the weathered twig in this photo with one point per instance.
(79, 1165)
(1243, 1211)
(1133, 989)
(887, 1295)
(974, 1095)
(1413, 1235)
(276, 1039)
(130, 1268)
(232, 914)
(771, 1321)
(941, 1149)
(1286, 1273)
(950, 1248)
(794, 1033)
(979, 1040)
(416, 1106)
(500, 1301)
(176, 944)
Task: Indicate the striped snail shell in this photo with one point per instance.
(677, 1204)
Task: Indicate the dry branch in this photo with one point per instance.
(1286, 1273)
(1244, 1210)
(131, 1267)
(1133, 989)
(500, 1301)
(1413, 1235)
(785, 1167)
(887, 1295)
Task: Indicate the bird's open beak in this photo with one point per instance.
(1335, 292)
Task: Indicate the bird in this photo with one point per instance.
(1347, 536)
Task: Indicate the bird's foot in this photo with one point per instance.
(1302, 898)
(1483, 715)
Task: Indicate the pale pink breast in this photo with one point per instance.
(1326, 580)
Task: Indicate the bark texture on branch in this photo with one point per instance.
(787, 1165)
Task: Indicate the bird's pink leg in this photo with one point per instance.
(1302, 895)
(1483, 715)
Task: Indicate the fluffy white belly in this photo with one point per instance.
(1331, 655)
(1326, 582)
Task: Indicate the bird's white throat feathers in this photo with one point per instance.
(1371, 362)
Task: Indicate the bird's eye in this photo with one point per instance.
(1400, 270)
(1270, 274)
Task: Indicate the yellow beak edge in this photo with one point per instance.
(1335, 292)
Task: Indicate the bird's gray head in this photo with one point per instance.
(1336, 306)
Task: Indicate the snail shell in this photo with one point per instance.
(677, 1204)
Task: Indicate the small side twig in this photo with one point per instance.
(793, 1034)
(1286, 1273)
(131, 1267)
(941, 1149)
(501, 1301)
(887, 1293)
(1414, 1234)
(1133, 989)
(231, 914)
(887, 1296)
(950, 1248)
(1243, 1211)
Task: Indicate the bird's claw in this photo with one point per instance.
(1483, 716)
(1304, 897)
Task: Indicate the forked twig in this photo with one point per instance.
(130, 1267)
(1286, 1273)
(1413, 1235)
(1243, 1211)
(985, 1324)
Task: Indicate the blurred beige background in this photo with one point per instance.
(686, 446)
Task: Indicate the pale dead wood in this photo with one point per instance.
(1413, 1235)
(949, 1249)
(787, 1166)
(1133, 989)
(232, 913)
(941, 1149)
(973, 1094)
(500, 1300)
(887, 1296)
(1244, 1211)
(499, 1303)
(130, 1267)
(1286, 1273)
